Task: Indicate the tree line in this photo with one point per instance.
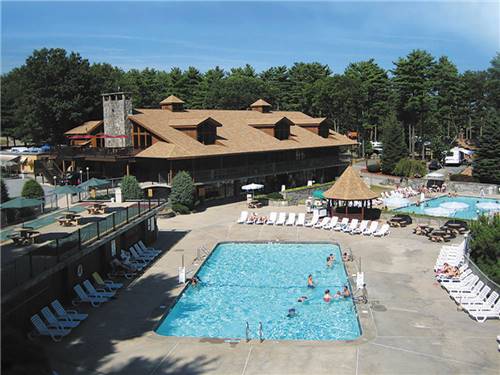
(431, 100)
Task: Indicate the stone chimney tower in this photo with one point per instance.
(117, 106)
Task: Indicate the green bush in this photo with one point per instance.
(32, 189)
(275, 196)
(180, 209)
(183, 190)
(410, 168)
(130, 188)
(373, 166)
(485, 245)
(462, 178)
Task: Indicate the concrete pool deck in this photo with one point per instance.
(416, 327)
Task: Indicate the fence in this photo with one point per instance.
(27, 266)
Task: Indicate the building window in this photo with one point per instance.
(282, 131)
(141, 138)
(207, 134)
(323, 131)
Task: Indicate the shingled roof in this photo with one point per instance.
(260, 103)
(235, 136)
(350, 187)
(85, 128)
(172, 99)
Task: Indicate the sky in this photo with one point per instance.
(206, 34)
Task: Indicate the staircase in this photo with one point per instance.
(49, 168)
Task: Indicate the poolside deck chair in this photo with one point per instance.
(340, 226)
(371, 229)
(362, 227)
(243, 217)
(272, 218)
(108, 284)
(332, 223)
(291, 218)
(55, 322)
(281, 219)
(314, 220)
(301, 219)
(95, 301)
(476, 299)
(143, 253)
(352, 226)
(56, 333)
(261, 220)
(128, 260)
(322, 223)
(115, 272)
(91, 290)
(443, 279)
(70, 314)
(487, 304)
(383, 231)
(469, 292)
(138, 258)
(251, 219)
(147, 249)
(484, 313)
(465, 283)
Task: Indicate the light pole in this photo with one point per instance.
(55, 180)
(81, 176)
(87, 173)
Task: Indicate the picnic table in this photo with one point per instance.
(23, 235)
(96, 208)
(68, 219)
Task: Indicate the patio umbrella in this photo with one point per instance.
(94, 183)
(252, 187)
(318, 194)
(67, 190)
(21, 202)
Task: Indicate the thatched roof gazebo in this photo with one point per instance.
(350, 188)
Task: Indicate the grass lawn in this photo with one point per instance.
(379, 189)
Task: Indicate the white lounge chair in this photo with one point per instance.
(149, 249)
(487, 304)
(146, 259)
(322, 223)
(91, 290)
(474, 299)
(56, 333)
(65, 323)
(484, 313)
(145, 254)
(243, 217)
(352, 226)
(331, 224)
(469, 292)
(291, 219)
(465, 283)
(146, 250)
(445, 279)
(108, 284)
(281, 218)
(371, 229)
(313, 221)
(362, 227)
(301, 219)
(84, 297)
(340, 226)
(70, 314)
(252, 218)
(272, 218)
(384, 231)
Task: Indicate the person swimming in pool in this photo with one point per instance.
(327, 297)
(337, 295)
(310, 282)
(345, 292)
(291, 313)
(330, 260)
(302, 299)
(195, 281)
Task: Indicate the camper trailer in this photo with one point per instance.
(457, 156)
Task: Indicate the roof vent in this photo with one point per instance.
(172, 104)
(261, 106)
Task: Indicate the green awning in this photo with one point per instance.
(21, 202)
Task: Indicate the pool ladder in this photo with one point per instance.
(260, 332)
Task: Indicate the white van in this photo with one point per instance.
(455, 156)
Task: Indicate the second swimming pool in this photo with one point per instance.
(260, 282)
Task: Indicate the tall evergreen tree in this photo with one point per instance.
(394, 146)
(487, 162)
(4, 191)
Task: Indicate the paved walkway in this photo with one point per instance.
(416, 327)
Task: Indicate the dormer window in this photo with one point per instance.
(324, 130)
(277, 127)
(317, 126)
(282, 130)
(203, 129)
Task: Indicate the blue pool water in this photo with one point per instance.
(467, 207)
(257, 282)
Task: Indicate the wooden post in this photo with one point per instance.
(64, 165)
(128, 169)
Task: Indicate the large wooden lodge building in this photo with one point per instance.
(221, 149)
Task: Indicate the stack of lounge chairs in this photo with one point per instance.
(466, 289)
(402, 192)
(354, 226)
(58, 322)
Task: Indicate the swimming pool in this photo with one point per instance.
(460, 207)
(260, 282)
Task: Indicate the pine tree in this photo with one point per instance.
(130, 188)
(488, 158)
(393, 144)
(32, 189)
(182, 190)
(5, 192)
